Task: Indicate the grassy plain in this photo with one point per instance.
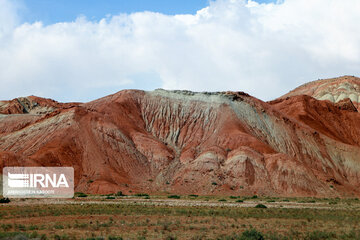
(180, 217)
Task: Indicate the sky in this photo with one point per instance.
(85, 49)
(53, 11)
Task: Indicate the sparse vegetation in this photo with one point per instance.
(80, 194)
(58, 226)
(174, 196)
(260, 206)
(114, 238)
(4, 200)
(121, 220)
(120, 194)
(319, 235)
(141, 195)
(252, 235)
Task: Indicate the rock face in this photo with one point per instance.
(32, 105)
(333, 90)
(190, 143)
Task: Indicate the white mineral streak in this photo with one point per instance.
(269, 128)
(10, 141)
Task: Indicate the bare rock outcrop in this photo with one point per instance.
(189, 142)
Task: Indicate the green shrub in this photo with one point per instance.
(260, 206)
(222, 200)
(58, 226)
(252, 235)
(110, 197)
(4, 200)
(33, 227)
(114, 238)
(214, 183)
(119, 194)
(254, 197)
(141, 195)
(239, 200)
(81, 194)
(34, 235)
(43, 237)
(20, 227)
(174, 196)
(6, 227)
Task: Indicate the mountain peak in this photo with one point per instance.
(333, 89)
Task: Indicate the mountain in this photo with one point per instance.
(194, 143)
(334, 90)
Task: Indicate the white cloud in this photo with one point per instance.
(263, 49)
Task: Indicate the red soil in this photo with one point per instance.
(184, 142)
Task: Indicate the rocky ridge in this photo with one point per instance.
(193, 143)
(333, 90)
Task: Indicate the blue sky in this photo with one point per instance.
(53, 11)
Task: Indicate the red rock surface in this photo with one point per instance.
(191, 143)
(333, 90)
(32, 105)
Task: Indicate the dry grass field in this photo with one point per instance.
(180, 217)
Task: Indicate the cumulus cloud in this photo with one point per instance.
(263, 49)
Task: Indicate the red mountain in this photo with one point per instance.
(202, 143)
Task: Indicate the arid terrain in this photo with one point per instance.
(180, 217)
(305, 143)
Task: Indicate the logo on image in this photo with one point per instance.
(38, 182)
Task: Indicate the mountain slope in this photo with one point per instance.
(186, 142)
(333, 90)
